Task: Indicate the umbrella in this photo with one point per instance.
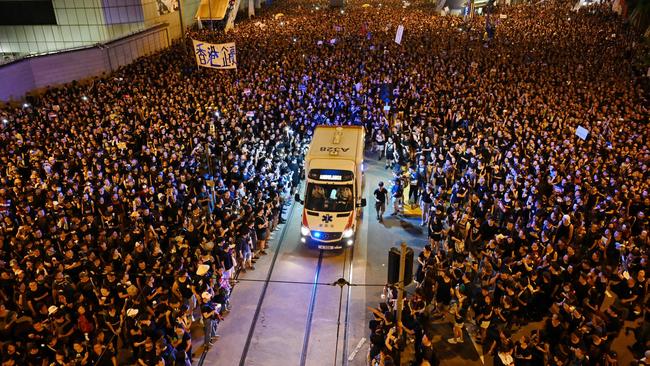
(365, 5)
(278, 16)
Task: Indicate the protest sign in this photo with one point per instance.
(582, 132)
(398, 35)
(215, 56)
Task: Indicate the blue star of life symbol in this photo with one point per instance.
(327, 218)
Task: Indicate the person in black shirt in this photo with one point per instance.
(443, 290)
(460, 312)
(261, 227)
(35, 356)
(182, 342)
(426, 199)
(380, 200)
(211, 318)
(414, 185)
(79, 355)
(426, 352)
(435, 233)
(488, 229)
(424, 260)
(184, 290)
(102, 356)
(148, 355)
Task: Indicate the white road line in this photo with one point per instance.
(361, 255)
(356, 349)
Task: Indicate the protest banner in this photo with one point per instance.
(215, 56)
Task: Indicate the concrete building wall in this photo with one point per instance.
(16, 80)
(61, 68)
(82, 23)
(125, 51)
(23, 76)
(127, 30)
(79, 23)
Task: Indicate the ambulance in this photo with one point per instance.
(333, 195)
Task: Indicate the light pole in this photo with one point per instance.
(210, 10)
(180, 16)
(400, 287)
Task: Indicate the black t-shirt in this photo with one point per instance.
(380, 194)
(460, 314)
(208, 307)
(443, 295)
(435, 229)
(185, 288)
(38, 336)
(180, 349)
(34, 359)
(260, 231)
(16, 357)
(487, 231)
(426, 198)
(40, 291)
(522, 353)
(114, 319)
(627, 292)
(149, 357)
(105, 360)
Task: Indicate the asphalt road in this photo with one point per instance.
(289, 311)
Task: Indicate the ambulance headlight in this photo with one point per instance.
(304, 231)
(347, 233)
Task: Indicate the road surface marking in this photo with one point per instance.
(356, 349)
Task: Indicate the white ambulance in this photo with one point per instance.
(334, 191)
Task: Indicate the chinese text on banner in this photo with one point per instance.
(215, 56)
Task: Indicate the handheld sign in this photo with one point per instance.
(582, 132)
(398, 35)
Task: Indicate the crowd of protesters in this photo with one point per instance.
(525, 220)
(127, 204)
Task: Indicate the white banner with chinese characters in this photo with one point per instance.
(215, 56)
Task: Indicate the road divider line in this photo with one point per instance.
(357, 349)
(258, 309)
(310, 312)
